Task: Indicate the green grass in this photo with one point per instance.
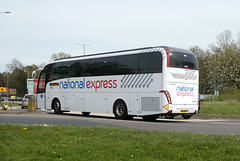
(226, 109)
(220, 107)
(18, 142)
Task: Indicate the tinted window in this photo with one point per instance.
(109, 66)
(183, 60)
(56, 71)
(126, 64)
(86, 67)
(150, 63)
(41, 83)
(100, 66)
(115, 65)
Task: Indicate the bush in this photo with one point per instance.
(226, 95)
(229, 95)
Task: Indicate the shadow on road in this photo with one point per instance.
(138, 119)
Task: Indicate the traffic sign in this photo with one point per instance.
(12, 91)
(3, 89)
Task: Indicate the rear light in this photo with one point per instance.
(167, 94)
(24, 99)
(170, 111)
(168, 57)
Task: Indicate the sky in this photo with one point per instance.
(36, 29)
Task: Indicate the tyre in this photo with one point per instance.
(186, 116)
(150, 118)
(57, 106)
(169, 116)
(86, 113)
(120, 110)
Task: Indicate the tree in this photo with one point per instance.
(29, 69)
(18, 75)
(223, 64)
(15, 63)
(224, 40)
(3, 80)
(201, 55)
(18, 80)
(60, 55)
(238, 40)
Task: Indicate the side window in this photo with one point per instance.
(127, 64)
(142, 63)
(87, 67)
(100, 66)
(109, 66)
(115, 65)
(60, 70)
(77, 68)
(41, 83)
(96, 67)
(154, 63)
(106, 66)
(150, 63)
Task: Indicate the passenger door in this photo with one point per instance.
(41, 88)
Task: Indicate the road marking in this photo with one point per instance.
(227, 123)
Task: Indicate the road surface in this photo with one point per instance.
(193, 125)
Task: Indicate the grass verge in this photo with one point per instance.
(101, 143)
(227, 109)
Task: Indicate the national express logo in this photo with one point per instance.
(185, 91)
(97, 84)
(127, 81)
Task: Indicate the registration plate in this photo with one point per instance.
(184, 111)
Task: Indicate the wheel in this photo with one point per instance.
(186, 116)
(57, 107)
(169, 116)
(86, 113)
(120, 110)
(150, 118)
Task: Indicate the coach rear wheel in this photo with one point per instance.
(57, 106)
(150, 118)
(186, 116)
(169, 116)
(120, 110)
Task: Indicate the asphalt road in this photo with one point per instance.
(193, 125)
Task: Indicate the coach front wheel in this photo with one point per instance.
(57, 106)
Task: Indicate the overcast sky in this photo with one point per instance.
(35, 29)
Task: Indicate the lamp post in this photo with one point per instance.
(7, 83)
(84, 46)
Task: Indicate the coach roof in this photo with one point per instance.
(144, 49)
